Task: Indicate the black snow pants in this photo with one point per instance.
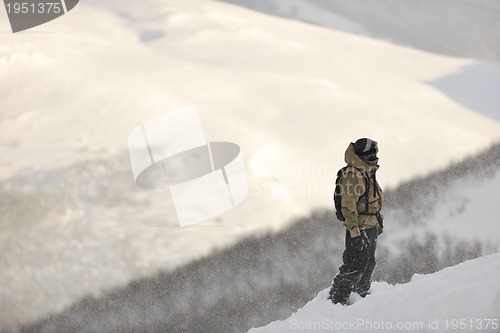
(356, 272)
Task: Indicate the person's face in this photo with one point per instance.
(372, 157)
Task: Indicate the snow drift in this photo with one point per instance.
(463, 298)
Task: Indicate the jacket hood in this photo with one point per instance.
(353, 160)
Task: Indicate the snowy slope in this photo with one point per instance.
(254, 81)
(464, 28)
(306, 11)
(463, 298)
(458, 203)
(466, 210)
(290, 94)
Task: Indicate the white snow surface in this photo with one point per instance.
(290, 94)
(463, 298)
(465, 210)
(308, 11)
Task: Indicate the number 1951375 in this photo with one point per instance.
(34, 8)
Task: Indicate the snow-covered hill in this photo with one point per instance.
(290, 94)
(463, 298)
(464, 28)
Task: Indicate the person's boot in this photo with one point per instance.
(362, 292)
(337, 298)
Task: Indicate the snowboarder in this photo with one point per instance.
(358, 199)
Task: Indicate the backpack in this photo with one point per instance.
(337, 195)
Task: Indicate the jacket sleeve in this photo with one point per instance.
(351, 191)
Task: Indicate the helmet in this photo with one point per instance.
(365, 146)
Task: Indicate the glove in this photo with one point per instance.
(361, 242)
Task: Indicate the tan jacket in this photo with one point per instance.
(353, 186)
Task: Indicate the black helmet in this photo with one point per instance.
(365, 146)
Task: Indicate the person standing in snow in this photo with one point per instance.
(360, 200)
